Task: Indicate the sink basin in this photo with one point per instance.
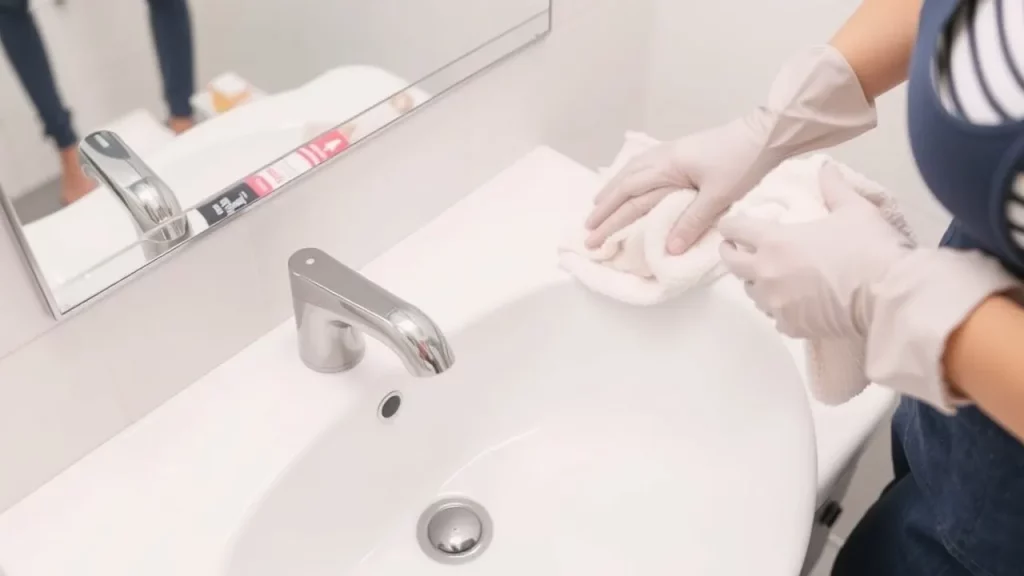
(599, 438)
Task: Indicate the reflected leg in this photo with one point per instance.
(27, 55)
(172, 33)
(25, 50)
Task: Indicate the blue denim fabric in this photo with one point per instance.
(172, 34)
(25, 50)
(896, 535)
(956, 505)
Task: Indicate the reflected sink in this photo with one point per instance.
(599, 438)
(206, 160)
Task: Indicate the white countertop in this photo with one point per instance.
(168, 494)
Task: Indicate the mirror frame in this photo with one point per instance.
(453, 74)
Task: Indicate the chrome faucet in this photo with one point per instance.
(152, 205)
(334, 305)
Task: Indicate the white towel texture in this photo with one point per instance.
(633, 266)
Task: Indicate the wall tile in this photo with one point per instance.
(57, 402)
(219, 306)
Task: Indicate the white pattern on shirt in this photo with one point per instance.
(981, 79)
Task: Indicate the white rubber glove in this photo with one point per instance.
(809, 277)
(852, 275)
(916, 307)
(815, 101)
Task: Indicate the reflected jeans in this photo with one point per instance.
(172, 34)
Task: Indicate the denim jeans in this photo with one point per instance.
(172, 34)
(956, 505)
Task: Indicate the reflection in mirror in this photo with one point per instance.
(121, 143)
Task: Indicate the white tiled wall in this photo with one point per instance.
(65, 389)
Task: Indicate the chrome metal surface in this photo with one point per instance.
(334, 305)
(151, 204)
(454, 530)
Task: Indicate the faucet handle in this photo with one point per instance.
(340, 285)
(145, 195)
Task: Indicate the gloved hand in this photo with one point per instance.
(810, 277)
(852, 275)
(816, 101)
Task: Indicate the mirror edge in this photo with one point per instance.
(28, 257)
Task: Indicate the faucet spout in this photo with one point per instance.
(153, 207)
(335, 305)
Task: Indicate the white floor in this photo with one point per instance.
(38, 203)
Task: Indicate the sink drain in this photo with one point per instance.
(454, 530)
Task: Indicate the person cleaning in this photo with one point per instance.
(940, 325)
(172, 33)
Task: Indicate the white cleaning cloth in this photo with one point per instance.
(633, 266)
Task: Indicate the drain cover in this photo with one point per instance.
(454, 530)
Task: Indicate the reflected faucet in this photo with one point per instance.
(334, 305)
(152, 205)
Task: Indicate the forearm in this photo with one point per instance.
(877, 41)
(984, 362)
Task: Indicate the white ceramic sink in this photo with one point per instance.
(600, 438)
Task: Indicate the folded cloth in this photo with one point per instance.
(632, 266)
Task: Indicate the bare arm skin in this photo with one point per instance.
(985, 363)
(877, 41)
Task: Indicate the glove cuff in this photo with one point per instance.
(815, 102)
(921, 301)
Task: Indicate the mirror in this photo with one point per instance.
(129, 127)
